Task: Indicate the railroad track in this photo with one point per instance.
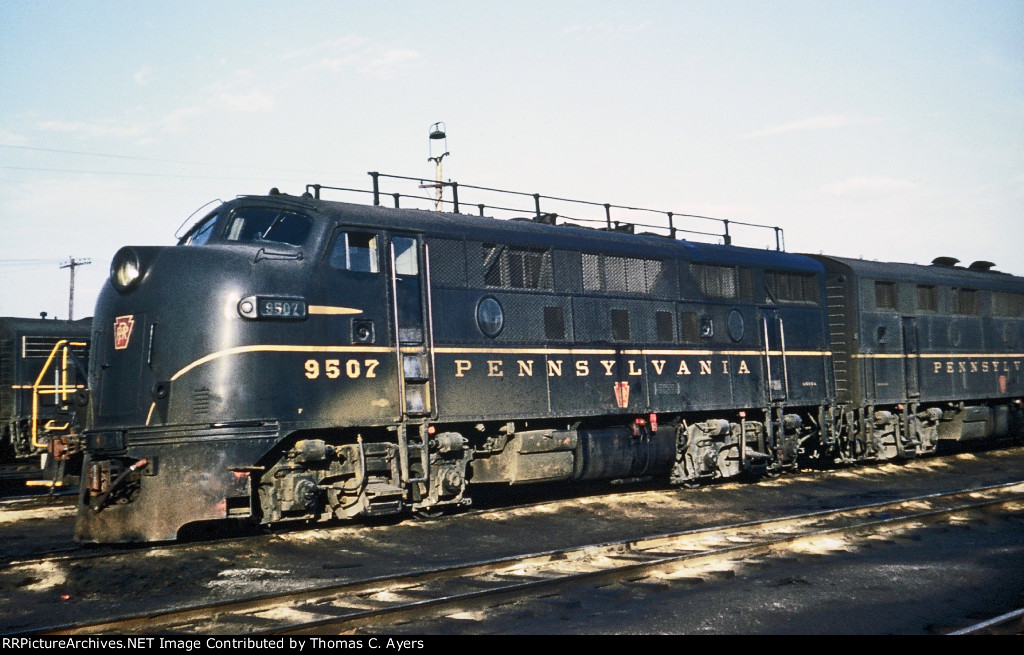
(63, 504)
(15, 477)
(59, 504)
(1011, 623)
(20, 471)
(66, 552)
(376, 604)
(26, 479)
(58, 498)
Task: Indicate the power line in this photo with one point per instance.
(152, 159)
(14, 265)
(98, 154)
(126, 174)
(27, 261)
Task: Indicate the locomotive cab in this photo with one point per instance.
(277, 363)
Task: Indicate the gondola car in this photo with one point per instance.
(297, 359)
(43, 369)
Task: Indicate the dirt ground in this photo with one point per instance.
(914, 584)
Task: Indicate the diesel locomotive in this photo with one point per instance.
(43, 372)
(299, 359)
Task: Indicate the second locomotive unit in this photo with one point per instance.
(299, 359)
(43, 369)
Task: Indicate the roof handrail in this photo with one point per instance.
(549, 217)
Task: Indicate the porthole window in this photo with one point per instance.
(735, 325)
(489, 317)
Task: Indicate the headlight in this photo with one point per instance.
(125, 269)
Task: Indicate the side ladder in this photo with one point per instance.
(416, 383)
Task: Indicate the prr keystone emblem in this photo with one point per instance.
(622, 394)
(123, 331)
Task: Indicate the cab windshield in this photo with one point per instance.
(268, 224)
(254, 224)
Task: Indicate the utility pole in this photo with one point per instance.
(72, 263)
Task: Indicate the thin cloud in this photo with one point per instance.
(100, 129)
(13, 139)
(224, 98)
(176, 122)
(388, 63)
(332, 64)
(143, 75)
(866, 186)
(244, 102)
(827, 122)
(605, 30)
(355, 54)
(329, 47)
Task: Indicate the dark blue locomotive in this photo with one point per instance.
(299, 359)
(43, 370)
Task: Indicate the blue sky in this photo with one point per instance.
(878, 129)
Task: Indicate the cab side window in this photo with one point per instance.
(406, 261)
(354, 251)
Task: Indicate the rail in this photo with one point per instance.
(540, 215)
(412, 597)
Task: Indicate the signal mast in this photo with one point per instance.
(437, 133)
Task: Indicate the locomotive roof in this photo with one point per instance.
(527, 232)
(926, 274)
(12, 326)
